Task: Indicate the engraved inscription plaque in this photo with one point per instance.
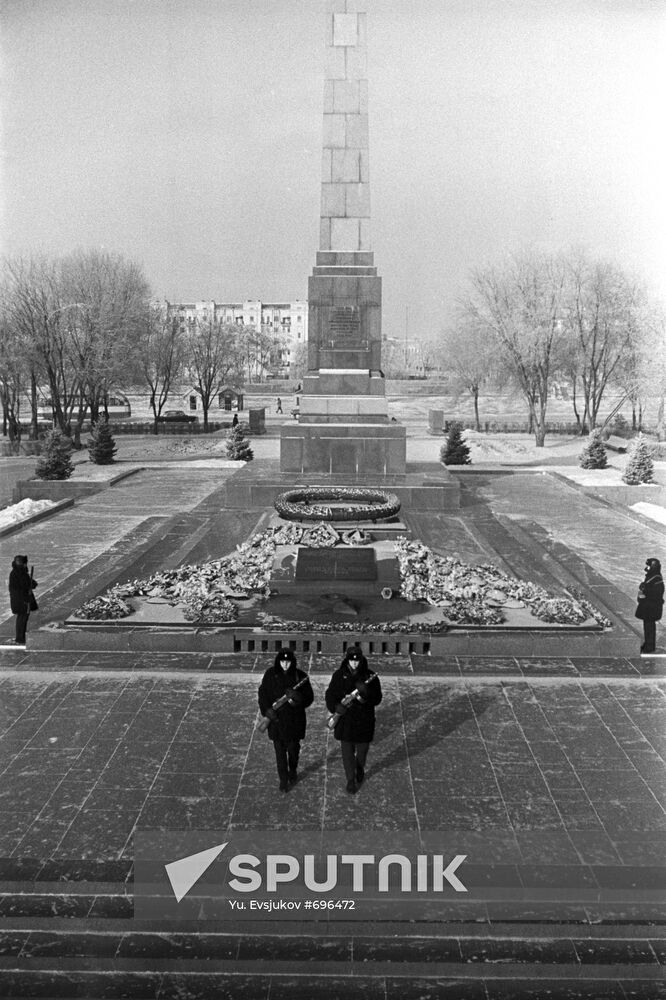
(345, 329)
(336, 564)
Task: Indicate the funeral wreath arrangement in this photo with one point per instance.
(477, 594)
(345, 503)
(465, 594)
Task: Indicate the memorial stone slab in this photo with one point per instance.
(336, 564)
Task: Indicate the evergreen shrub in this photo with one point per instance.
(593, 455)
(640, 468)
(454, 451)
(55, 461)
(101, 444)
(237, 447)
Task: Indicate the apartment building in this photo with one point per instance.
(287, 322)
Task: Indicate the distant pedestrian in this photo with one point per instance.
(234, 422)
(351, 697)
(284, 694)
(278, 406)
(21, 597)
(650, 603)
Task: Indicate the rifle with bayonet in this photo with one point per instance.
(279, 703)
(348, 699)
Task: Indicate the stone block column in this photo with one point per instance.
(343, 424)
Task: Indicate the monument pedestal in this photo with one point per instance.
(349, 449)
(343, 426)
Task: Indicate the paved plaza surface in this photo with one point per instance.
(90, 755)
(547, 772)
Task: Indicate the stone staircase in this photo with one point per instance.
(67, 930)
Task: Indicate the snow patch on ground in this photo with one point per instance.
(90, 472)
(594, 477)
(20, 511)
(201, 463)
(651, 510)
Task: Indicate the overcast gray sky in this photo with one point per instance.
(186, 134)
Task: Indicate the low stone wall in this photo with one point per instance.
(438, 425)
(483, 641)
(625, 495)
(63, 489)
(148, 426)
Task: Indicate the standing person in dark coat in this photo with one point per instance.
(286, 727)
(356, 726)
(21, 586)
(650, 603)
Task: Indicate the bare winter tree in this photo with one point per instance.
(469, 357)
(105, 299)
(518, 305)
(34, 310)
(261, 351)
(79, 315)
(298, 361)
(160, 355)
(213, 359)
(14, 379)
(650, 364)
(602, 314)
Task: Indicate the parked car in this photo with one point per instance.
(177, 417)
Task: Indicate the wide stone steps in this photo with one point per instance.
(79, 939)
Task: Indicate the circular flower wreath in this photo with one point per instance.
(303, 505)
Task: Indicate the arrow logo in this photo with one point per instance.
(184, 873)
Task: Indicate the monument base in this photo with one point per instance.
(258, 484)
(349, 449)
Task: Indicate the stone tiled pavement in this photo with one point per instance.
(73, 735)
(565, 771)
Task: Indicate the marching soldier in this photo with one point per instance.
(284, 694)
(351, 698)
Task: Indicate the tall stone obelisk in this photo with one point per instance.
(343, 426)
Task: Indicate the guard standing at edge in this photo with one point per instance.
(351, 697)
(284, 683)
(650, 603)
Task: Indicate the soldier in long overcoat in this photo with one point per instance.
(650, 603)
(21, 597)
(356, 726)
(287, 724)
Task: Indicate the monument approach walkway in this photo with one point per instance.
(545, 770)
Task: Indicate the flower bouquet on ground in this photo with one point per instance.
(478, 595)
(108, 607)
